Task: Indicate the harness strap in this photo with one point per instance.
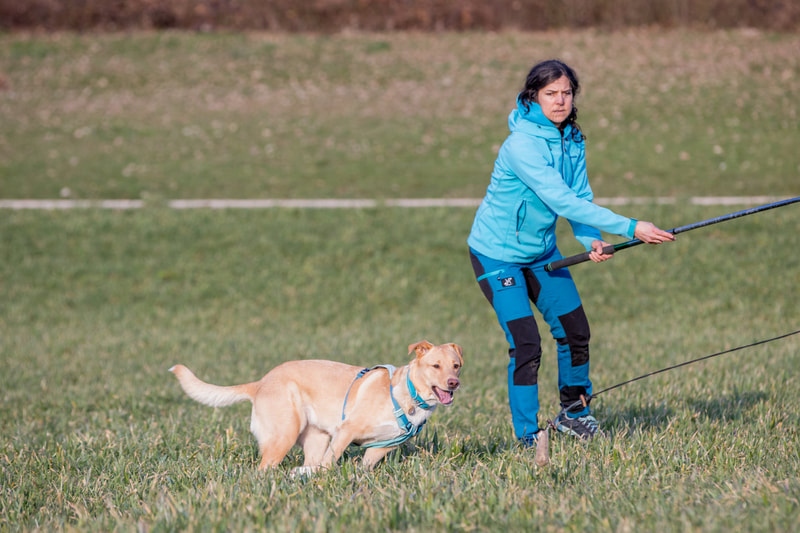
(409, 429)
(359, 375)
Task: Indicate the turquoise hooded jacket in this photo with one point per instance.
(538, 176)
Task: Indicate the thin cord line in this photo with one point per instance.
(695, 361)
(596, 394)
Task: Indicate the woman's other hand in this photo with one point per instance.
(596, 253)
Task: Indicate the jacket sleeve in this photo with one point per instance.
(585, 234)
(530, 160)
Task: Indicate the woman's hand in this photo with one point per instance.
(645, 232)
(649, 233)
(596, 253)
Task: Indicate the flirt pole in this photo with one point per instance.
(613, 248)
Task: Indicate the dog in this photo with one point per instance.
(324, 406)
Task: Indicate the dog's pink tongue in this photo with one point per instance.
(445, 396)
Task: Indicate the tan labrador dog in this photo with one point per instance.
(324, 406)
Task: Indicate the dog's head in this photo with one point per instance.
(435, 370)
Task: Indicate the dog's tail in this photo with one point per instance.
(212, 395)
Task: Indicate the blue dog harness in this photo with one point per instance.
(409, 429)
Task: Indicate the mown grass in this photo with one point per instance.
(164, 115)
(97, 435)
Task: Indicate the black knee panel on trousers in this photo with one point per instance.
(576, 326)
(527, 350)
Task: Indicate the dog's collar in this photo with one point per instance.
(414, 394)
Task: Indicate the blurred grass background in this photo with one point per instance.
(166, 115)
(97, 304)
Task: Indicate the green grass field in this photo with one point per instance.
(95, 434)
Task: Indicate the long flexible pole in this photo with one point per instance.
(612, 248)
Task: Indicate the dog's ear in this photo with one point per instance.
(458, 350)
(420, 347)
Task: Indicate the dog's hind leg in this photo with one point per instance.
(274, 444)
(275, 435)
(314, 442)
(273, 451)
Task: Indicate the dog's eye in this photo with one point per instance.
(456, 367)
(436, 365)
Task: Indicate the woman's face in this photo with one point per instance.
(556, 100)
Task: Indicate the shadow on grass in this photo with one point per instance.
(638, 417)
(726, 407)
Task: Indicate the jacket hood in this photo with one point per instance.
(533, 122)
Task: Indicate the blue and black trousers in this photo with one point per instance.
(510, 289)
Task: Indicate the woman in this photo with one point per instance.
(539, 175)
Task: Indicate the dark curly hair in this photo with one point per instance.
(545, 73)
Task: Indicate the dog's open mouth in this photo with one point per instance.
(444, 396)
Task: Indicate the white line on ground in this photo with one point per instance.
(344, 203)
(311, 203)
(71, 204)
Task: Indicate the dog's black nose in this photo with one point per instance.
(452, 383)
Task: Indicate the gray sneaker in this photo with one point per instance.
(583, 427)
